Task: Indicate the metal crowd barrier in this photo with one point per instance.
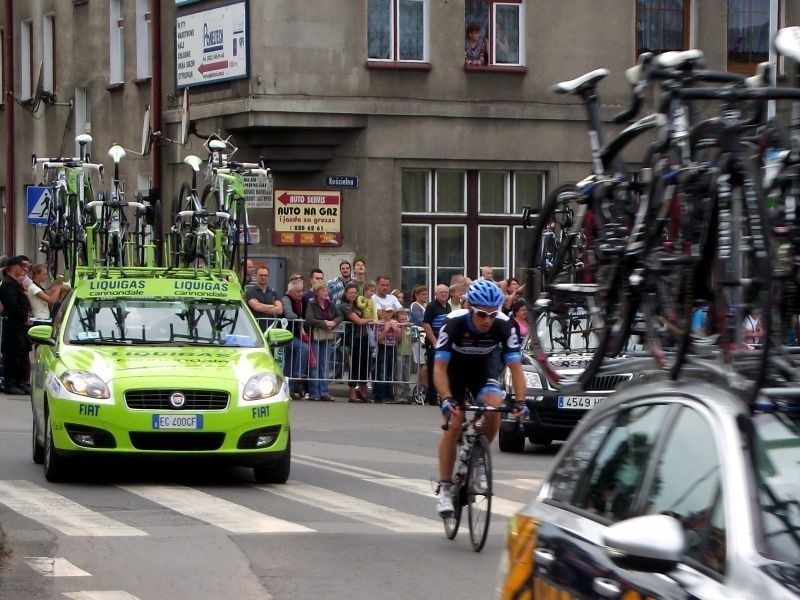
(352, 354)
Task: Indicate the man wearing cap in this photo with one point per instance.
(16, 312)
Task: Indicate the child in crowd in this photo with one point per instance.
(366, 304)
(389, 334)
(404, 356)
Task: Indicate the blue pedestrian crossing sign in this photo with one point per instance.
(38, 200)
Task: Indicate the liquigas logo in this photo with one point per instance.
(213, 289)
(116, 287)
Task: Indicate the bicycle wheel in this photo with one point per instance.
(479, 494)
(241, 236)
(71, 240)
(451, 522)
(741, 279)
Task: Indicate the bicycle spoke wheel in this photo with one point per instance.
(452, 521)
(239, 236)
(741, 281)
(479, 491)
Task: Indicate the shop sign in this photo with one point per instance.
(211, 45)
(307, 218)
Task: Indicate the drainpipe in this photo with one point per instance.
(8, 95)
(155, 89)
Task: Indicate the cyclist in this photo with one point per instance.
(471, 349)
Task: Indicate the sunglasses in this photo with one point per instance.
(485, 315)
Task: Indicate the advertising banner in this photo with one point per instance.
(211, 45)
(307, 218)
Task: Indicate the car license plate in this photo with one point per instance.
(177, 421)
(577, 402)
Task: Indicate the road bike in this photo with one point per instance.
(472, 477)
(65, 234)
(226, 195)
(111, 224)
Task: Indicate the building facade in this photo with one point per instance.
(441, 111)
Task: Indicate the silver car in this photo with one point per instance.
(668, 489)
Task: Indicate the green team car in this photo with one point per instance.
(159, 363)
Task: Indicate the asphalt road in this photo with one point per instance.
(356, 520)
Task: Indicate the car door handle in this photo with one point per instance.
(544, 557)
(607, 588)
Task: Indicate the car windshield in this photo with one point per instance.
(572, 331)
(162, 322)
(777, 454)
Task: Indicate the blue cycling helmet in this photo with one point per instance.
(483, 292)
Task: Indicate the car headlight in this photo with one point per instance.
(533, 380)
(86, 384)
(261, 386)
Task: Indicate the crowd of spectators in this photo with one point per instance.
(385, 338)
(27, 294)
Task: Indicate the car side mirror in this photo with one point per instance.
(42, 334)
(652, 543)
(279, 337)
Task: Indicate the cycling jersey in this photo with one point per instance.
(473, 357)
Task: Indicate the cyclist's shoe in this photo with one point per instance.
(480, 483)
(444, 504)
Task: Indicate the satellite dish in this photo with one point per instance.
(147, 132)
(184, 133)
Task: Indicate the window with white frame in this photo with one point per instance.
(750, 28)
(494, 33)
(416, 251)
(83, 113)
(143, 64)
(49, 53)
(26, 60)
(454, 221)
(116, 42)
(397, 30)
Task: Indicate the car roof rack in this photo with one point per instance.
(204, 274)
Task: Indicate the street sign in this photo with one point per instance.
(342, 181)
(307, 218)
(211, 45)
(38, 198)
(257, 191)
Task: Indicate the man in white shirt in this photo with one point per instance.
(383, 298)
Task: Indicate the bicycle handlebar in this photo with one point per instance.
(479, 409)
(192, 213)
(95, 203)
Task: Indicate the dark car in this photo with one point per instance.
(668, 489)
(556, 408)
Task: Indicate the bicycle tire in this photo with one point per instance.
(479, 505)
(558, 223)
(452, 521)
(238, 256)
(748, 292)
(71, 239)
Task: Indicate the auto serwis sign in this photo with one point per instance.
(211, 45)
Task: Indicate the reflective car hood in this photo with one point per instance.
(114, 361)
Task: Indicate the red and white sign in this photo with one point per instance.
(307, 218)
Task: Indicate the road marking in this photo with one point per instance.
(500, 506)
(425, 487)
(354, 508)
(54, 567)
(58, 512)
(215, 511)
(101, 595)
(337, 467)
(529, 485)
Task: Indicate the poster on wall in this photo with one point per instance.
(307, 218)
(211, 45)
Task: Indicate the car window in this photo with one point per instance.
(573, 465)
(777, 454)
(176, 322)
(619, 466)
(687, 486)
